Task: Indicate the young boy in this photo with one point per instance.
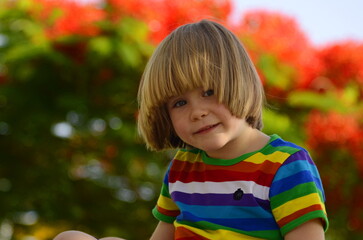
(200, 93)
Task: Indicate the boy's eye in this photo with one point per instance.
(208, 93)
(180, 103)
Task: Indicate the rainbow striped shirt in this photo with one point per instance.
(259, 195)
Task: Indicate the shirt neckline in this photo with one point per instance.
(228, 162)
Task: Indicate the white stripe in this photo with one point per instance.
(251, 187)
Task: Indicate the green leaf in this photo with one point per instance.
(309, 99)
(129, 55)
(277, 73)
(275, 122)
(351, 95)
(102, 45)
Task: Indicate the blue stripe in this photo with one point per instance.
(244, 224)
(288, 183)
(166, 177)
(281, 144)
(295, 167)
(224, 211)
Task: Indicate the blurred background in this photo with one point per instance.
(70, 156)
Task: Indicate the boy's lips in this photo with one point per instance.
(206, 128)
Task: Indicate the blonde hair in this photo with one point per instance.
(203, 54)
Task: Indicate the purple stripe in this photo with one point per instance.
(282, 143)
(213, 199)
(300, 155)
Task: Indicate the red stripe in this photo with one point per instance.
(182, 233)
(171, 213)
(220, 176)
(298, 214)
(243, 167)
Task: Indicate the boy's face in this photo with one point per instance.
(202, 122)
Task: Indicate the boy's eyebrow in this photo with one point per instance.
(170, 102)
(172, 98)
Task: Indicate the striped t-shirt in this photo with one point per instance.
(259, 195)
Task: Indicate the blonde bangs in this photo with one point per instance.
(178, 67)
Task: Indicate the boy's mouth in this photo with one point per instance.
(206, 128)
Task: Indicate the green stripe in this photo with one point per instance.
(165, 191)
(162, 217)
(305, 218)
(192, 150)
(296, 192)
(285, 149)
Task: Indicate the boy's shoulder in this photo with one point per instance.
(279, 151)
(285, 152)
(279, 144)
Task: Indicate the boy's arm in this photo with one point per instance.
(312, 230)
(163, 231)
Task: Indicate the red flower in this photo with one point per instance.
(67, 18)
(343, 63)
(163, 16)
(75, 51)
(331, 129)
(280, 36)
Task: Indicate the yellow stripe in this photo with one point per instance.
(258, 158)
(276, 157)
(188, 156)
(167, 203)
(219, 234)
(296, 205)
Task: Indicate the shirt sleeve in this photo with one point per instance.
(165, 210)
(297, 194)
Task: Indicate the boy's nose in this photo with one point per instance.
(198, 112)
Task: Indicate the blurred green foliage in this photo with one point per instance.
(69, 151)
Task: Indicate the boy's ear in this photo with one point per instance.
(250, 120)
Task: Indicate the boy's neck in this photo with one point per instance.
(252, 141)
